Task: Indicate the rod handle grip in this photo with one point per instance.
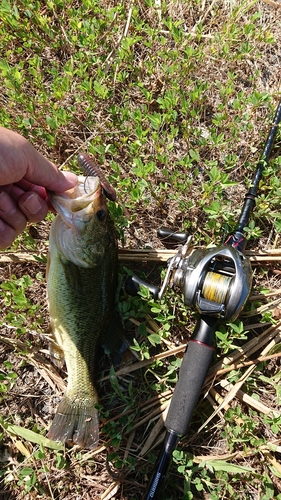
(193, 371)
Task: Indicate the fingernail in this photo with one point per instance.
(7, 205)
(2, 225)
(32, 204)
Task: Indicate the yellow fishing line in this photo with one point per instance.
(215, 287)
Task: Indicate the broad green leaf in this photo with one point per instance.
(154, 338)
(33, 437)
(222, 465)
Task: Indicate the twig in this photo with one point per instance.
(154, 433)
(264, 448)
(158, 8)
(149, 417)
(201, 20)
(232, 393)
(261, 309)
(247, 349)
(256, 361)
(139, 255)
(254, 403)
(33, 357)
(274, 4)
(111, 491)
(123, 35)
(141, 364)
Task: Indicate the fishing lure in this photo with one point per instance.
(91, 169)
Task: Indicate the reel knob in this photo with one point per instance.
(133, 284)
(171, 238)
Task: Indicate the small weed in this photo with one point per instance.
(229, 334)
(21, 313)
(217, 477)
(8, 379)
(241, 431)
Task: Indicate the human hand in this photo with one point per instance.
(25, 175)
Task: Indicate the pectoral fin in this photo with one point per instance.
(115, 340)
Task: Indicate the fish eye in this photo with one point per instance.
(101, 214)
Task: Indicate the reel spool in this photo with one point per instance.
(216, 287)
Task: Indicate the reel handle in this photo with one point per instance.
(133, 283)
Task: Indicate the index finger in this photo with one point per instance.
(19, 159)
(24, 186)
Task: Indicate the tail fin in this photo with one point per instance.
(76, 422)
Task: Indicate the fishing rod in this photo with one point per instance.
(216, 282)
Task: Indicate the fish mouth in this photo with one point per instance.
(77, 204)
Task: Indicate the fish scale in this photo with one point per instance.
(81, 285)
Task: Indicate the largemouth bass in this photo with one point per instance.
(81, 285)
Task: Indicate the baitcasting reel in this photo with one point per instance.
(215, 281)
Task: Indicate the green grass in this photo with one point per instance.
(175, 105)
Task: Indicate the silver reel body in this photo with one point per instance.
(215, 281)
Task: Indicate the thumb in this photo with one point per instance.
(43, 172)
(62, 182)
